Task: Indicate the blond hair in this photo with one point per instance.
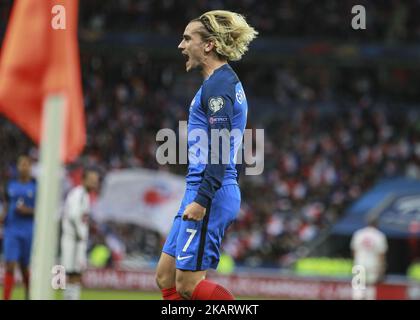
(229, 31)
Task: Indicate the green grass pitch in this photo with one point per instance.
(88, 294)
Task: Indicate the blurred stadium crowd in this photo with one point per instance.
(330, 132)
(389, 20)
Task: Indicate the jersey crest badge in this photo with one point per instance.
(216, 103)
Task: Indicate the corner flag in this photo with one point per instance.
(40, 91)
(37, 59)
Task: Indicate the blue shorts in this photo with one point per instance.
(17, 246)
(196, 245)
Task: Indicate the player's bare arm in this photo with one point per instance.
(3, 213)
(5, 207)
(24, 210)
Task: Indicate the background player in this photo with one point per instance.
(75, 233)
(17, 216)
(212, 199)
(369, 247)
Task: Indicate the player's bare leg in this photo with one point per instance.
(165, 272)
(165, 277)
(192, 285)
(186, 282)
(25, 279)
(9, 279)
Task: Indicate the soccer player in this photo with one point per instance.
(17, 216)
(75, 233)
(369, 246)
(212, 197)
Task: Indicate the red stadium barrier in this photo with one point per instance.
(255, 285)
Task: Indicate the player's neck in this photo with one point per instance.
(24, 179)
(210, 66)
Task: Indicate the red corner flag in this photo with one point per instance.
(39, 57)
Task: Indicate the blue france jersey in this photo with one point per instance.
(16, 192)
(220, 103)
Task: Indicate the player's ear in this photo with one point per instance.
(209, 46)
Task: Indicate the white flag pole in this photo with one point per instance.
(44, 246)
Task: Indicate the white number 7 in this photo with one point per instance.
(193, 232)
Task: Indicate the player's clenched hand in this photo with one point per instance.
(194, 212)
